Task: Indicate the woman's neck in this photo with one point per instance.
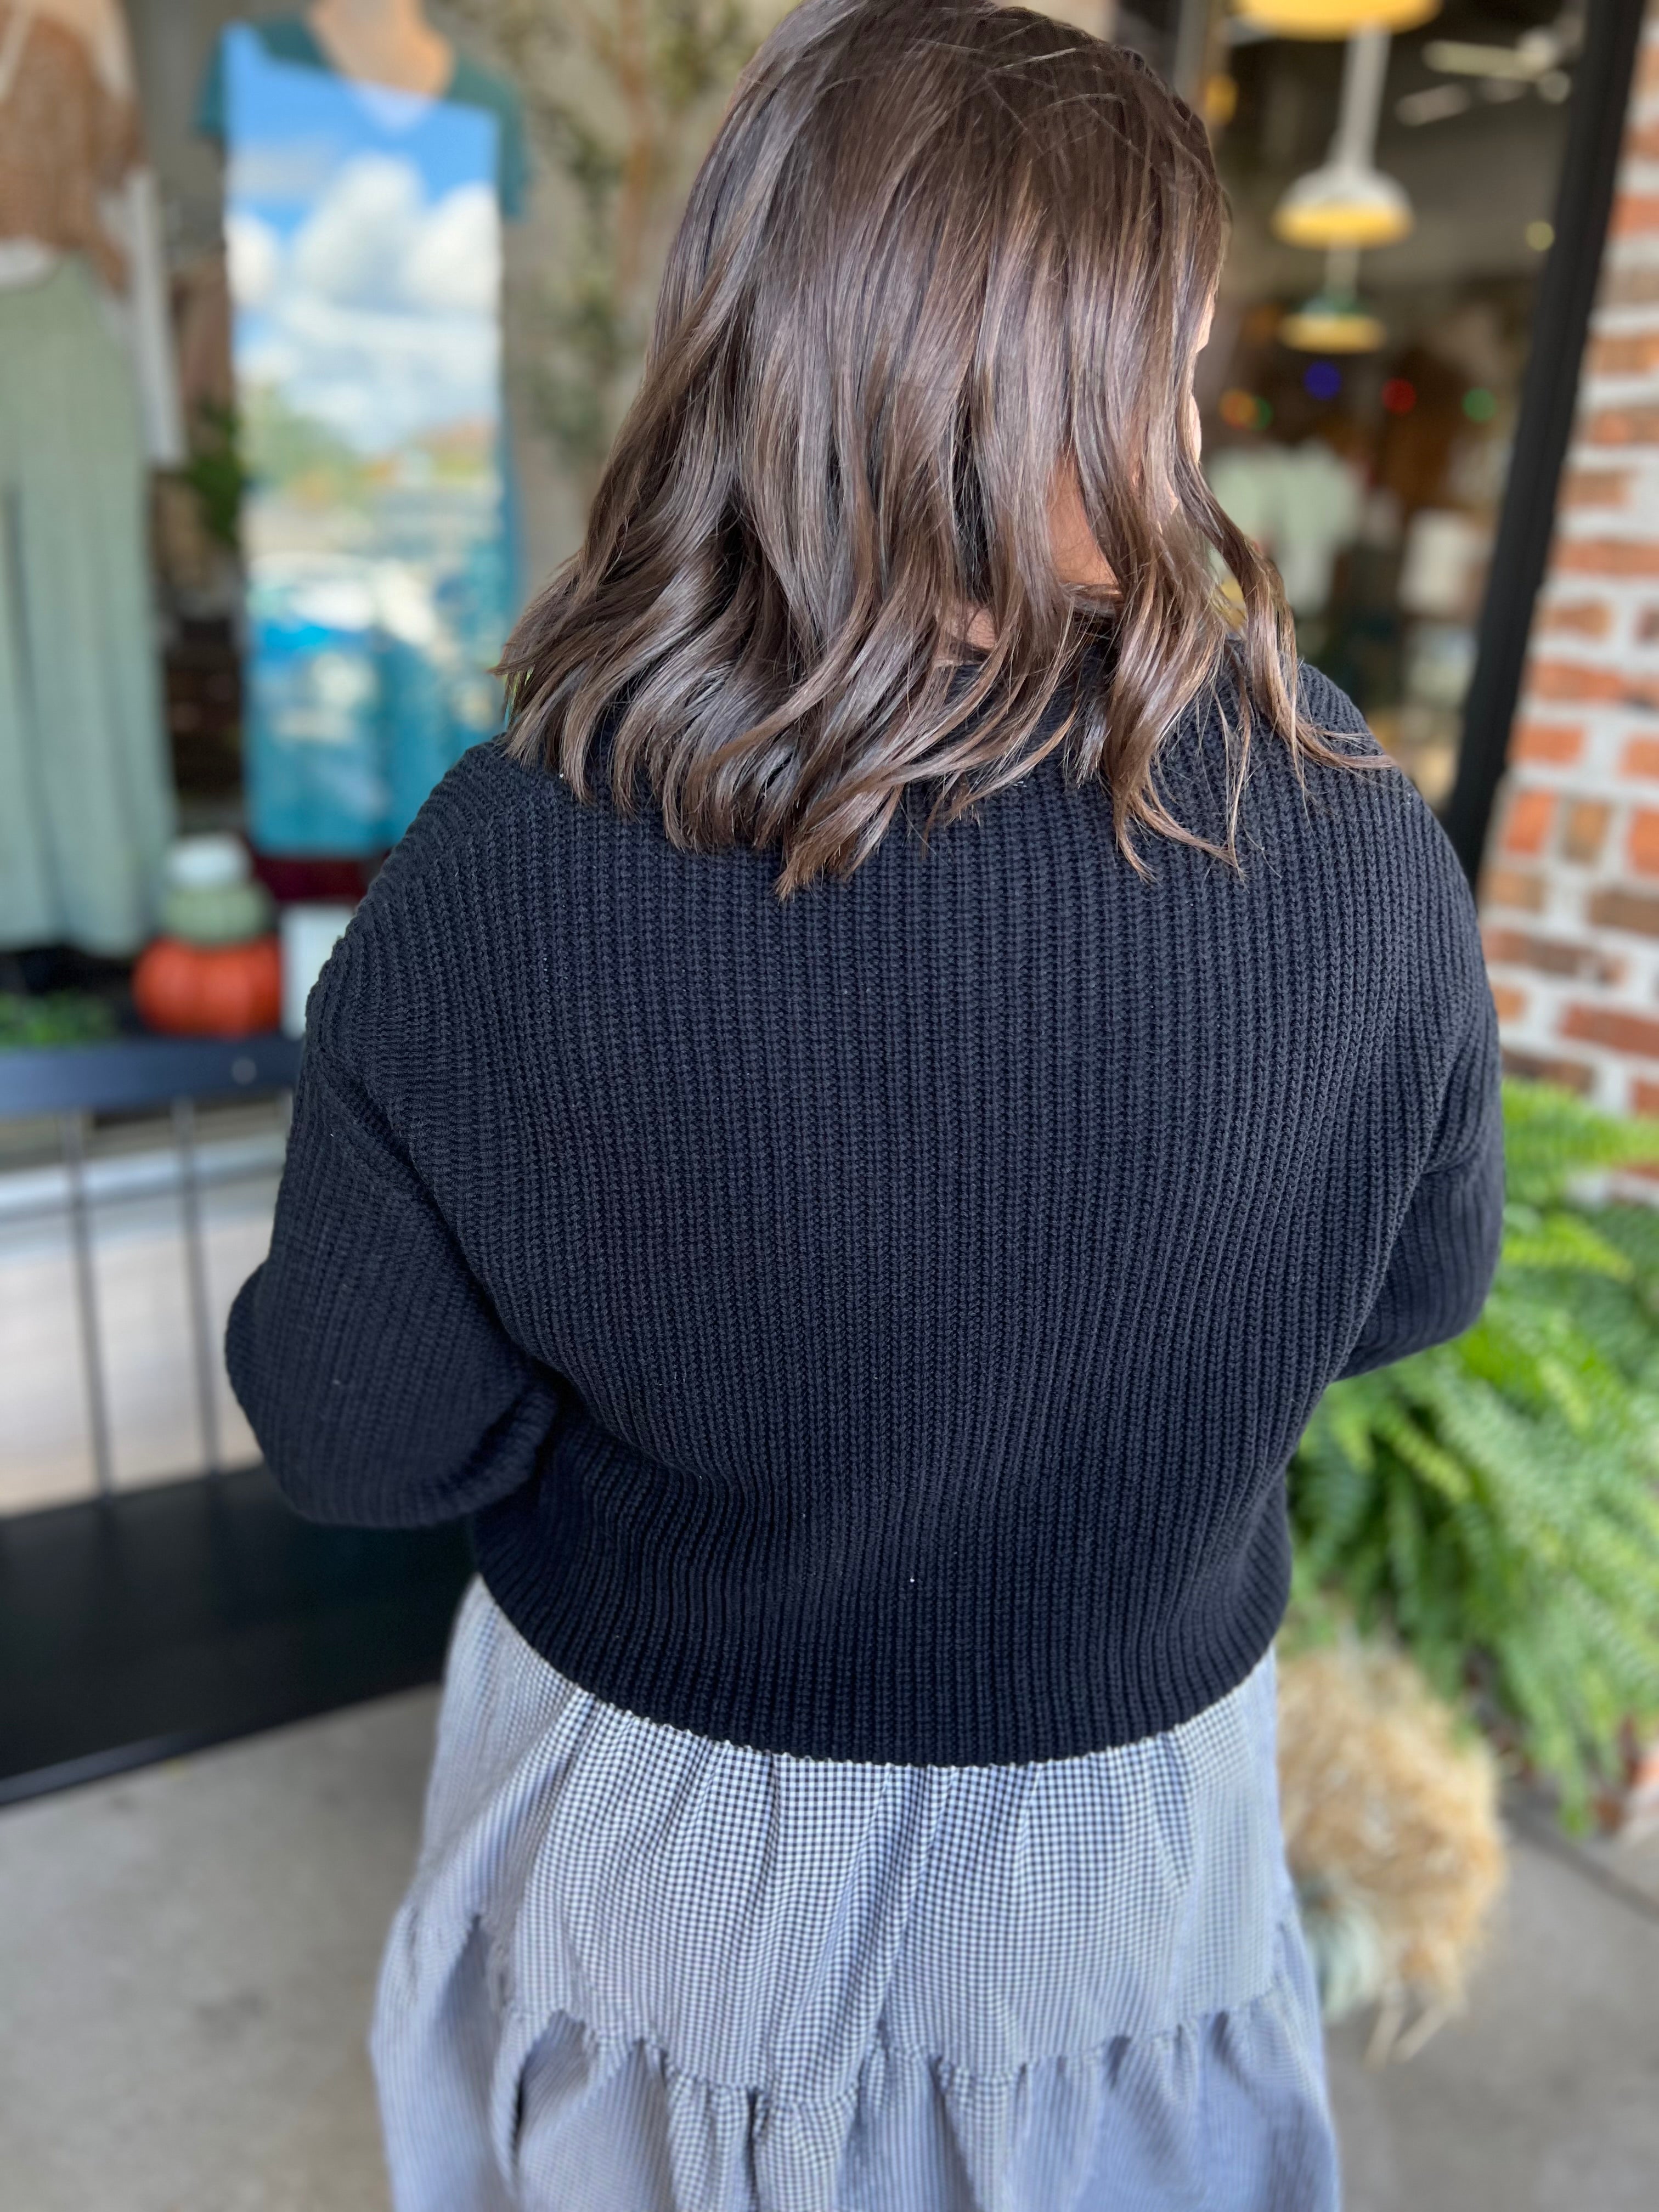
(1078, 561)
(386, 42)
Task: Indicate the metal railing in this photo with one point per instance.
(70, 1085)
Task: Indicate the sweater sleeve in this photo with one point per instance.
(1445, 1250)
(372, 1369)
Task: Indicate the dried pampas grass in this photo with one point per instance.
(1391, 1829)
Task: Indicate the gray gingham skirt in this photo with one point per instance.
(639, 1969)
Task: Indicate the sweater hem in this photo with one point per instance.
(606, 1665)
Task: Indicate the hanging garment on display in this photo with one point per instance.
(1303, 504)
(86, 799)
(72, 180)
(363, 233)
(69, 136)
(86, 802)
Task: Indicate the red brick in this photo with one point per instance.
(1647, 625)
(1505, 944)
(1550, 955)
(1618, 908)
(1576, 680)
(1635, 214)
(1542, 1067)
(1624, 353)
(1585, 824)
(1623, 426)
(1528, 824)
(1640, 757)
(1647, 70)
(1580, 684)
(1610, 1027)
(1608, 557)
(1644, 1097)
(1596, 487)
(1585, 617)
(1631, 287)
(1645, 842)
(1517, 887)
(1560, 743)
(1642, 141)
(1510, 1001)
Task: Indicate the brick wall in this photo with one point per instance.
(1569, 892)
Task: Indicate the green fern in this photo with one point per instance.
(1493, 1501)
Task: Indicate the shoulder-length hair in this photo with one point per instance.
(944, 262)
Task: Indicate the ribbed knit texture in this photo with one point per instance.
(875, 1326)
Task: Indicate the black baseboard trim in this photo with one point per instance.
(155, 1622)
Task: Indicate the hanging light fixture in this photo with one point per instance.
(1335, 206)
(1348, 201)
(1333, 18)
(1333, 321)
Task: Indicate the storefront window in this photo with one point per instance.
(1360, 400)
(262, 539)
(1360, 395)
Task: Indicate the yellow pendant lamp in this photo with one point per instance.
(1348, 202)
(1333, 321)
(1333, 18)
(1329, 323)
(1343, 206)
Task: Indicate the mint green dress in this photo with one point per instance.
(86, 787)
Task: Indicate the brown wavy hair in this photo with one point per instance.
(944, 261)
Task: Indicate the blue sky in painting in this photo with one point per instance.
(289, 128)
(364, 238)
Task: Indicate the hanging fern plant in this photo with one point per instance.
(1493, 1501)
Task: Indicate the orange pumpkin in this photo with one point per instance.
(195, 990)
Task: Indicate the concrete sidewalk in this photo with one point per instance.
(1545, 2097)
(187, 1958)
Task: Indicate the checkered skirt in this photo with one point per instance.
(638, 1969)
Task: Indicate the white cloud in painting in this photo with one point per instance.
(377, 379)
(353, 245)
(454, 261)
(285, 172)
(383, 322)
(255, 254)
(373, 239)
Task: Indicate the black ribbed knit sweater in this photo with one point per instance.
(874, 1326)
